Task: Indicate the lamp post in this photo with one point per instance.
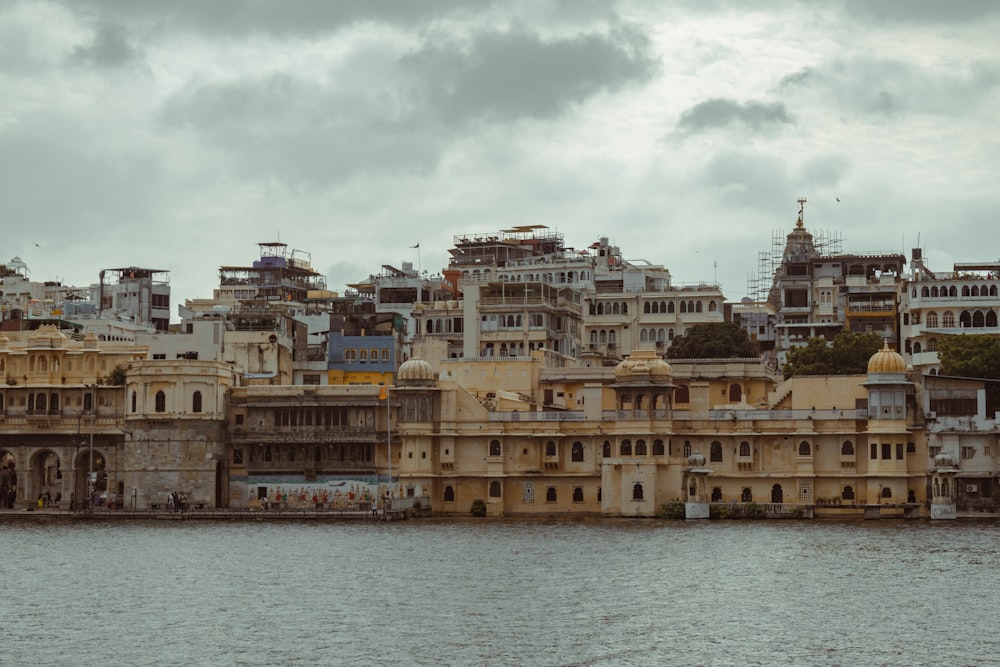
(90, 472)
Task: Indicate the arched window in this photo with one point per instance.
(948, 319)
(606, 449)
(934, 292)
(747, 495)
(637, 491)
(134, 401)
(965, 290)
(932, 320)
(550, 448)
(658, 449)
(40, 402)
(886, 492)
(965, 319)
(683, 306)
(952, 292)
(449, 494)
(712, 306)
(88, 402)
(626, 448)
(640, 447)
(847, 449)
(991, 319)
(494, 448)
(975, 290)
(550, 494)
(916, 348)
(978, 319)
(670, 307)
(716, 494)
(687, 448)
(697, 306)
(577, 494)
(715, 452)
(54, 402)
(744, 448)
(160, 402)
(805, 449)
(495, 489)
(847, 493)
(624, 308)
(777, 494)
(735, 393)
(646, 308)
(577, 452)
(932, 345)
(196, 402)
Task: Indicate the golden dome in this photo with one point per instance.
(886, 361)
(643, 365)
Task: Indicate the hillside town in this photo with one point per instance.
(528, 377)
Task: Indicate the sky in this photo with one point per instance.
(179, 135)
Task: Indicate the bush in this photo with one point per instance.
(755, 511)
(672, 510)
(479, 507)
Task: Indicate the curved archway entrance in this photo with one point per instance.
(8, 479)
(45, 478)
(777, 495)
(90, 491)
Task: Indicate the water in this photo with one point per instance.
(511, 592)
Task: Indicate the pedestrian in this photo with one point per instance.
(170, 501)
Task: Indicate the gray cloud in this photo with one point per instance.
(111, 48)
(516, 73)
(719, 112)
(921, 11)
(887, 87)
(252, 17)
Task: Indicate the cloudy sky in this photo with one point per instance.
(177, 135)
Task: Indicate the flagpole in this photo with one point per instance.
(417, 248)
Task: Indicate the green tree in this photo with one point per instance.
(715, 340)
(116, 377)
(973, 356)
(847, 354)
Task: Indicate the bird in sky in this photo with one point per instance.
(36, 244)
(838, 199)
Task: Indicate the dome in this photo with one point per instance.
(415, 370)
(886, 361)
(643, 365)
(944, 460)
(697, 460)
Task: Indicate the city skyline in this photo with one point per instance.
(180, 136)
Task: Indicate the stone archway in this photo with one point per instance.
(9, 491)
(777, 494)
(45, 479)
(81, 485)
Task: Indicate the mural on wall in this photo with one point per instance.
(292, 492)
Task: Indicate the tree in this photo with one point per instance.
(847, 354)
(715, 340)
(973, 356)
(116, 377)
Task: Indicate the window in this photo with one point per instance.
(161, 402)
(626, 448)
(805, 449)
(847, 493)
(716, 494)
(968, 452)
(528, 492)
(715, 453)
(449, 494)
(134, 400)
(495, 489)
(577, 451)
(847, 449)
(196, 402)
(640, 447)
(606, 450)
(932, 320)
(637, 493)
(886, 451)
(238, 455)
(886, 492)
(550, 448)
(911, 448)
(746, 496)
(899, 451)
(687, 448)
(658, 447)
(88, 402)
(550, 494)
(494, 448)
(577, 494)
(874, 448)
(744, 449)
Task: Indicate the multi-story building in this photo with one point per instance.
(963, 301)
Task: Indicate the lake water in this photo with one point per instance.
(500, 592)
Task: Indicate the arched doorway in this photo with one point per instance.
(44, 478)
(82, 487)
(777, 495)
(8, 479)
(735, 393)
